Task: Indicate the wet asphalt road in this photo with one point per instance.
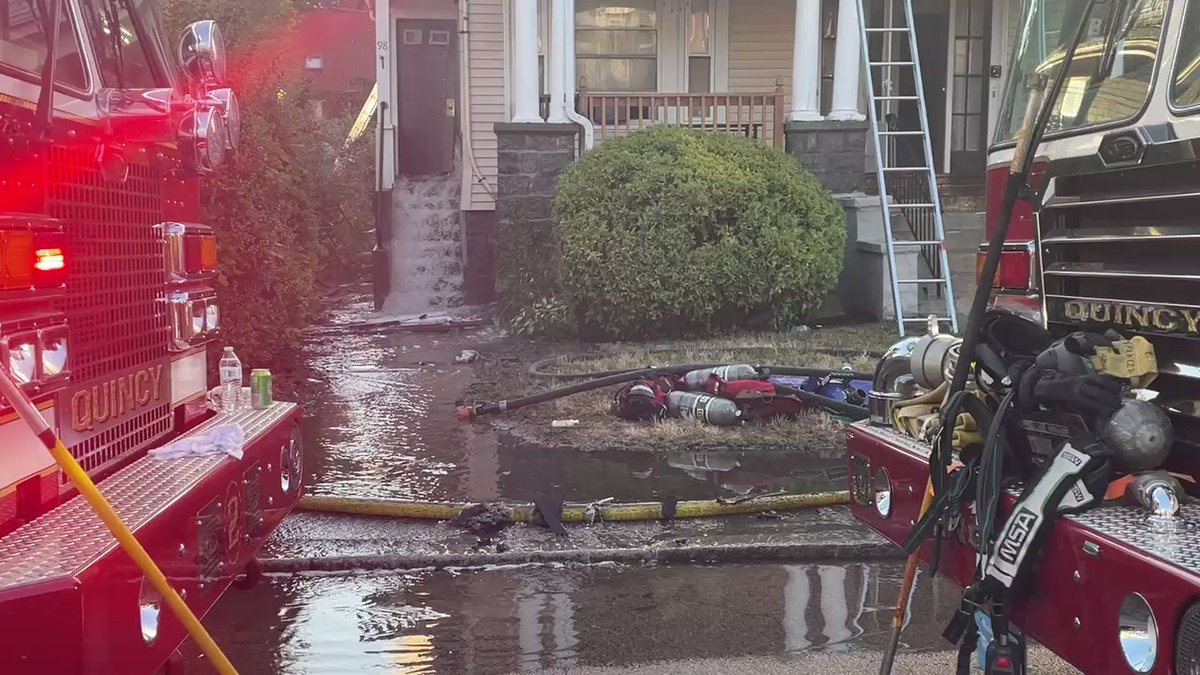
(386, 428)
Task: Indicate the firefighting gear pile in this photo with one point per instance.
(1005, 431)
(731, 395)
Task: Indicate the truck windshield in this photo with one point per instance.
(1185, 86)
(126, 55)
(1113, 68)
(23, 43)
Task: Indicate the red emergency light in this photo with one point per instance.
(1017, 266)
(31, 259)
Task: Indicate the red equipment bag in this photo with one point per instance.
(757, 399)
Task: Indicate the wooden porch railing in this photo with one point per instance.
(759, 116)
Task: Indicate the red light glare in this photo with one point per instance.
(49, 259)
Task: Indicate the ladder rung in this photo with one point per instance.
(905, 168)
(905, 242)
(908, 132)
(890, 63)
(925, 318)
(920, 281)
(911, 206)
(894, 98)
(901, 29)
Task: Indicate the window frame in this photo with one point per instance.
(89, 88)
(1152, 91)
(1172, 100)
(659, 32)
(147, 42)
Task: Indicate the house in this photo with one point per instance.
(497, 94)
(331, 46)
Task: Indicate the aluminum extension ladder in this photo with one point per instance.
(921, 207)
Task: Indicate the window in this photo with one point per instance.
(121, 49)
(1111, 74)
(700, 47)
(23, 43)
(617, 44)
(1185, 85)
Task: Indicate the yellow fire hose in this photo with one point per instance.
(576, 513)
(29, 413)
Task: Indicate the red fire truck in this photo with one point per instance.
(107, 305)
(1107, 238)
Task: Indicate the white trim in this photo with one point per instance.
(385, 60)
(999, 57)
(948, 119)
(720, 55)
(506, 21)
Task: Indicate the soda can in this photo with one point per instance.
(261, 394)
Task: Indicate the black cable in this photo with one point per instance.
(538, 369)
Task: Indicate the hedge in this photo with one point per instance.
(671, 231)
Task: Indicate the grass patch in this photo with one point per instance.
(506, 376)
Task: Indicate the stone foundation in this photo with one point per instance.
(531, 158)
(835, 152)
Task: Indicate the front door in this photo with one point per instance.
(427, 96)
(968, 102)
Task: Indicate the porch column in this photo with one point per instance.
(847, 65)
(558, 60)
(806, 62)
(525, 61)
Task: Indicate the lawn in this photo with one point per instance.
(506, 374)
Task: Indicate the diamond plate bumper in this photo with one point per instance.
(1089, 562)
(200, 518)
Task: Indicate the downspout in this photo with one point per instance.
(474, 175)
(567, 50)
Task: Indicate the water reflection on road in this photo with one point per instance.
(385, 426)
(527, 619)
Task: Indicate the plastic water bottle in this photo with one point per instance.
(985, 638)
(231, 380)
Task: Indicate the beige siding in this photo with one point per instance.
(760, 44)
(485, 74)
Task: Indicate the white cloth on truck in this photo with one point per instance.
(225, 439)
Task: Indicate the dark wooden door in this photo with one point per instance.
(427, 96)
(968, 105)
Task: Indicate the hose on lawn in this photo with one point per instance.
(855, 413)
(577, 513)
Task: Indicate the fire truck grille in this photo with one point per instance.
(107, 448)
(1119, 251)
(115, 301)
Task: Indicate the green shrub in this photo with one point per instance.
(670, 231)
(293, 207)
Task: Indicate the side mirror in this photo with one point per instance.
(202, 54)
(203, 139)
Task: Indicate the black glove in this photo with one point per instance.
(1094, 394)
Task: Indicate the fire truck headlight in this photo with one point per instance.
(198, 314)
(202, 140)
(214, 316)
(883, 492)
(1138, 633)
(22, 358)
(149, 611)
(54, 352)
(227, 102)
(202, 54)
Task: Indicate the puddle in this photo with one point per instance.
(528, 619)
(387, 429)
